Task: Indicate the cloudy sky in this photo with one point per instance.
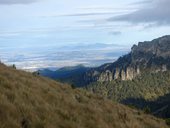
(44, 23)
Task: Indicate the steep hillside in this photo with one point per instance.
(30, 101)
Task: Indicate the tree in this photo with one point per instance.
(13, 66)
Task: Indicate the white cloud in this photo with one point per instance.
(154, 12)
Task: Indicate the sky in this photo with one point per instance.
(31, 28)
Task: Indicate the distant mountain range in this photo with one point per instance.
(93, 46)
(72, 75)
(32, 58)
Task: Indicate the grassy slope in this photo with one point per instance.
(28, 101)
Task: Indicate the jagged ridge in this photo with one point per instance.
(152, 55)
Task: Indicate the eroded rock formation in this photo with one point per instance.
(149, 55)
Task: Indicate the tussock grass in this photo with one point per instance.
(29, 101)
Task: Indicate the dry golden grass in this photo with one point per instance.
(29, 101)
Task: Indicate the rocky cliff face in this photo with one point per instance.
(127, 73)
(124, 74)
(151, 55)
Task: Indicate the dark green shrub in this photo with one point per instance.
(168, 121)
(146, 110)
(73, 86)
(14, 66)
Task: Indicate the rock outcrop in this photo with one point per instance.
(123, 74)
(149, 55)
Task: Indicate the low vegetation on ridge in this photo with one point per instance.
(149, 90)
(148, 86)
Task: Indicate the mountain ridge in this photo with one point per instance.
(146, 55)
(72, 74)
(151, 55)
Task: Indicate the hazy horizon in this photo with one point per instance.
(48, 33)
